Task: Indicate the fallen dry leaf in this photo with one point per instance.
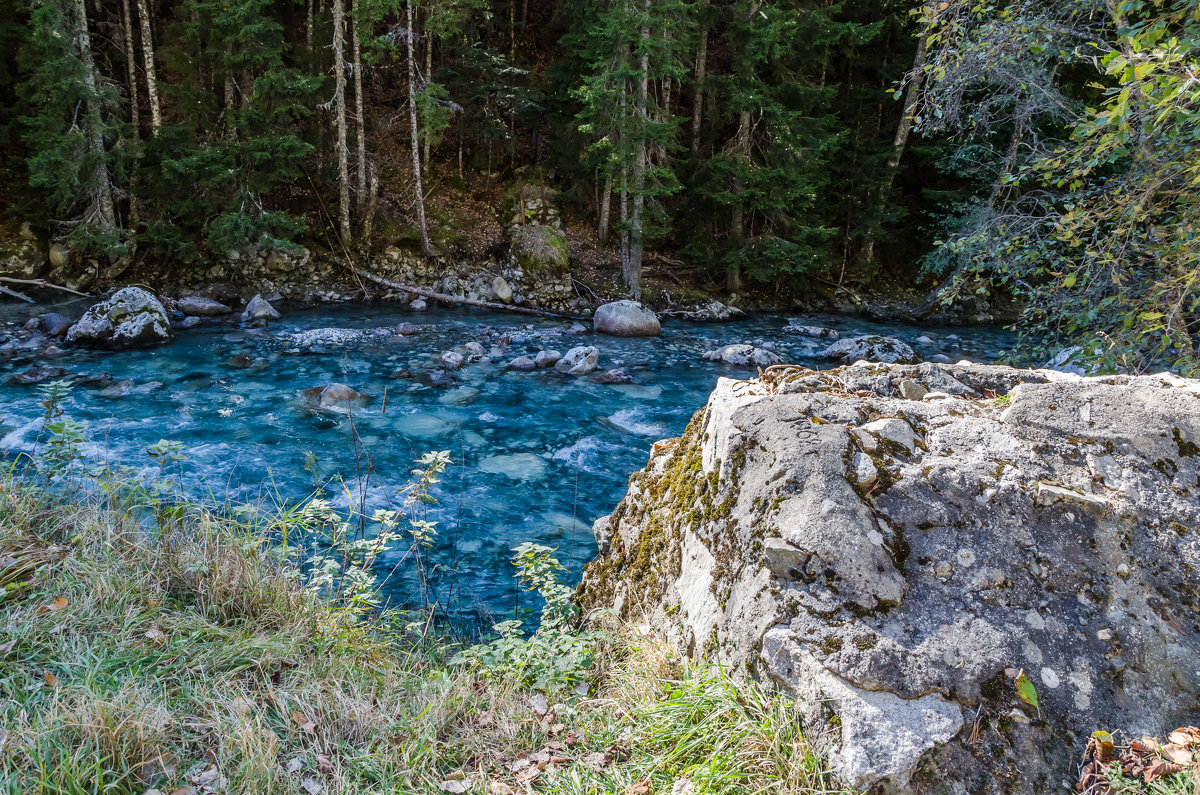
(324, 763)
(155, 634)
(293, 765)
(455, 786)
(182, 791)
(1159, 768)
(50, 679)
(1177, 754)
(500, 788)
(209, 775)
(5, 648)
(311, 786)
(639, 788)
(59, 603)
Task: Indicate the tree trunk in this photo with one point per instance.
(135, 113)
(605, 210)
(308, 23)
(900, 141)
(698, 100)
(733, 277)
(412, 120)
(359, 120)
(103, 208)
(633, 270)
(339, 102)
(428, 76)
(151, 79)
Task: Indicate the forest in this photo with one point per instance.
(1040, 150)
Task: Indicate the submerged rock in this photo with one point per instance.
(895, 562)
(743, 355)
(39, 374)
(546, 358)
(626, 319)
(578, 361)
(132, 318)
(871, 348)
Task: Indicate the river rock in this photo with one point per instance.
(131, 318)
(452, 360)
(418, 305)
(871, 348)
(714, 312)
(522, 363)
(501, 290)
(626, 319)
(578, 361)
(896, 563)
(816, 332)
(546, 359)
(200, 306)
(338, 392)
(617, 375)
(259, 309)
(52, 324)
(59, 255)
(38, 374)
(743, 355)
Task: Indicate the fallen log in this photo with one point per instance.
(453, 299)
(42, 283)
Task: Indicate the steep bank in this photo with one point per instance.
(896, 544)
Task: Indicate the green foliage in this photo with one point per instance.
(558, 654)
(1097, 233)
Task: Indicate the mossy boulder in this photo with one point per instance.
(540, 250)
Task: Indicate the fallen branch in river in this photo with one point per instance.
(453, 299)
(4, 290)
(39, 283)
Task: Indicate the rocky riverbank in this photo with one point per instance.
(900, 546)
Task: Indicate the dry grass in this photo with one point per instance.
(133, 661)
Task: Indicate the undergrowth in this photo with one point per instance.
(187, 655)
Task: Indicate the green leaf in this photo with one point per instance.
(1069, 281)
(1026, 691)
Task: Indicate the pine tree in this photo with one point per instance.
(70, 123)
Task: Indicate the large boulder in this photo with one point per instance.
(540, 250)
(896, 564)
(131, 318)
(870, 348)
(626, 319)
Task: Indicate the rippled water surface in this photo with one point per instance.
(537, 455)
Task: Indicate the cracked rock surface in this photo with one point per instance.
(894, 556)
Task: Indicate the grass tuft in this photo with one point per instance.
(190, 656)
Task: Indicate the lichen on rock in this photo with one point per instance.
(893, 562)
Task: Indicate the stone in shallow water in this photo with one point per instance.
(547, 358)
(626, 319)
(522, 363)
(202, 307)
(578, 361)
(518, 466)
(743, 355)
(132, 318)
(259, 309)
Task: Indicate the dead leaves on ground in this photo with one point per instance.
(1144, 758)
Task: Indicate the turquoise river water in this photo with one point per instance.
(537, 455)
